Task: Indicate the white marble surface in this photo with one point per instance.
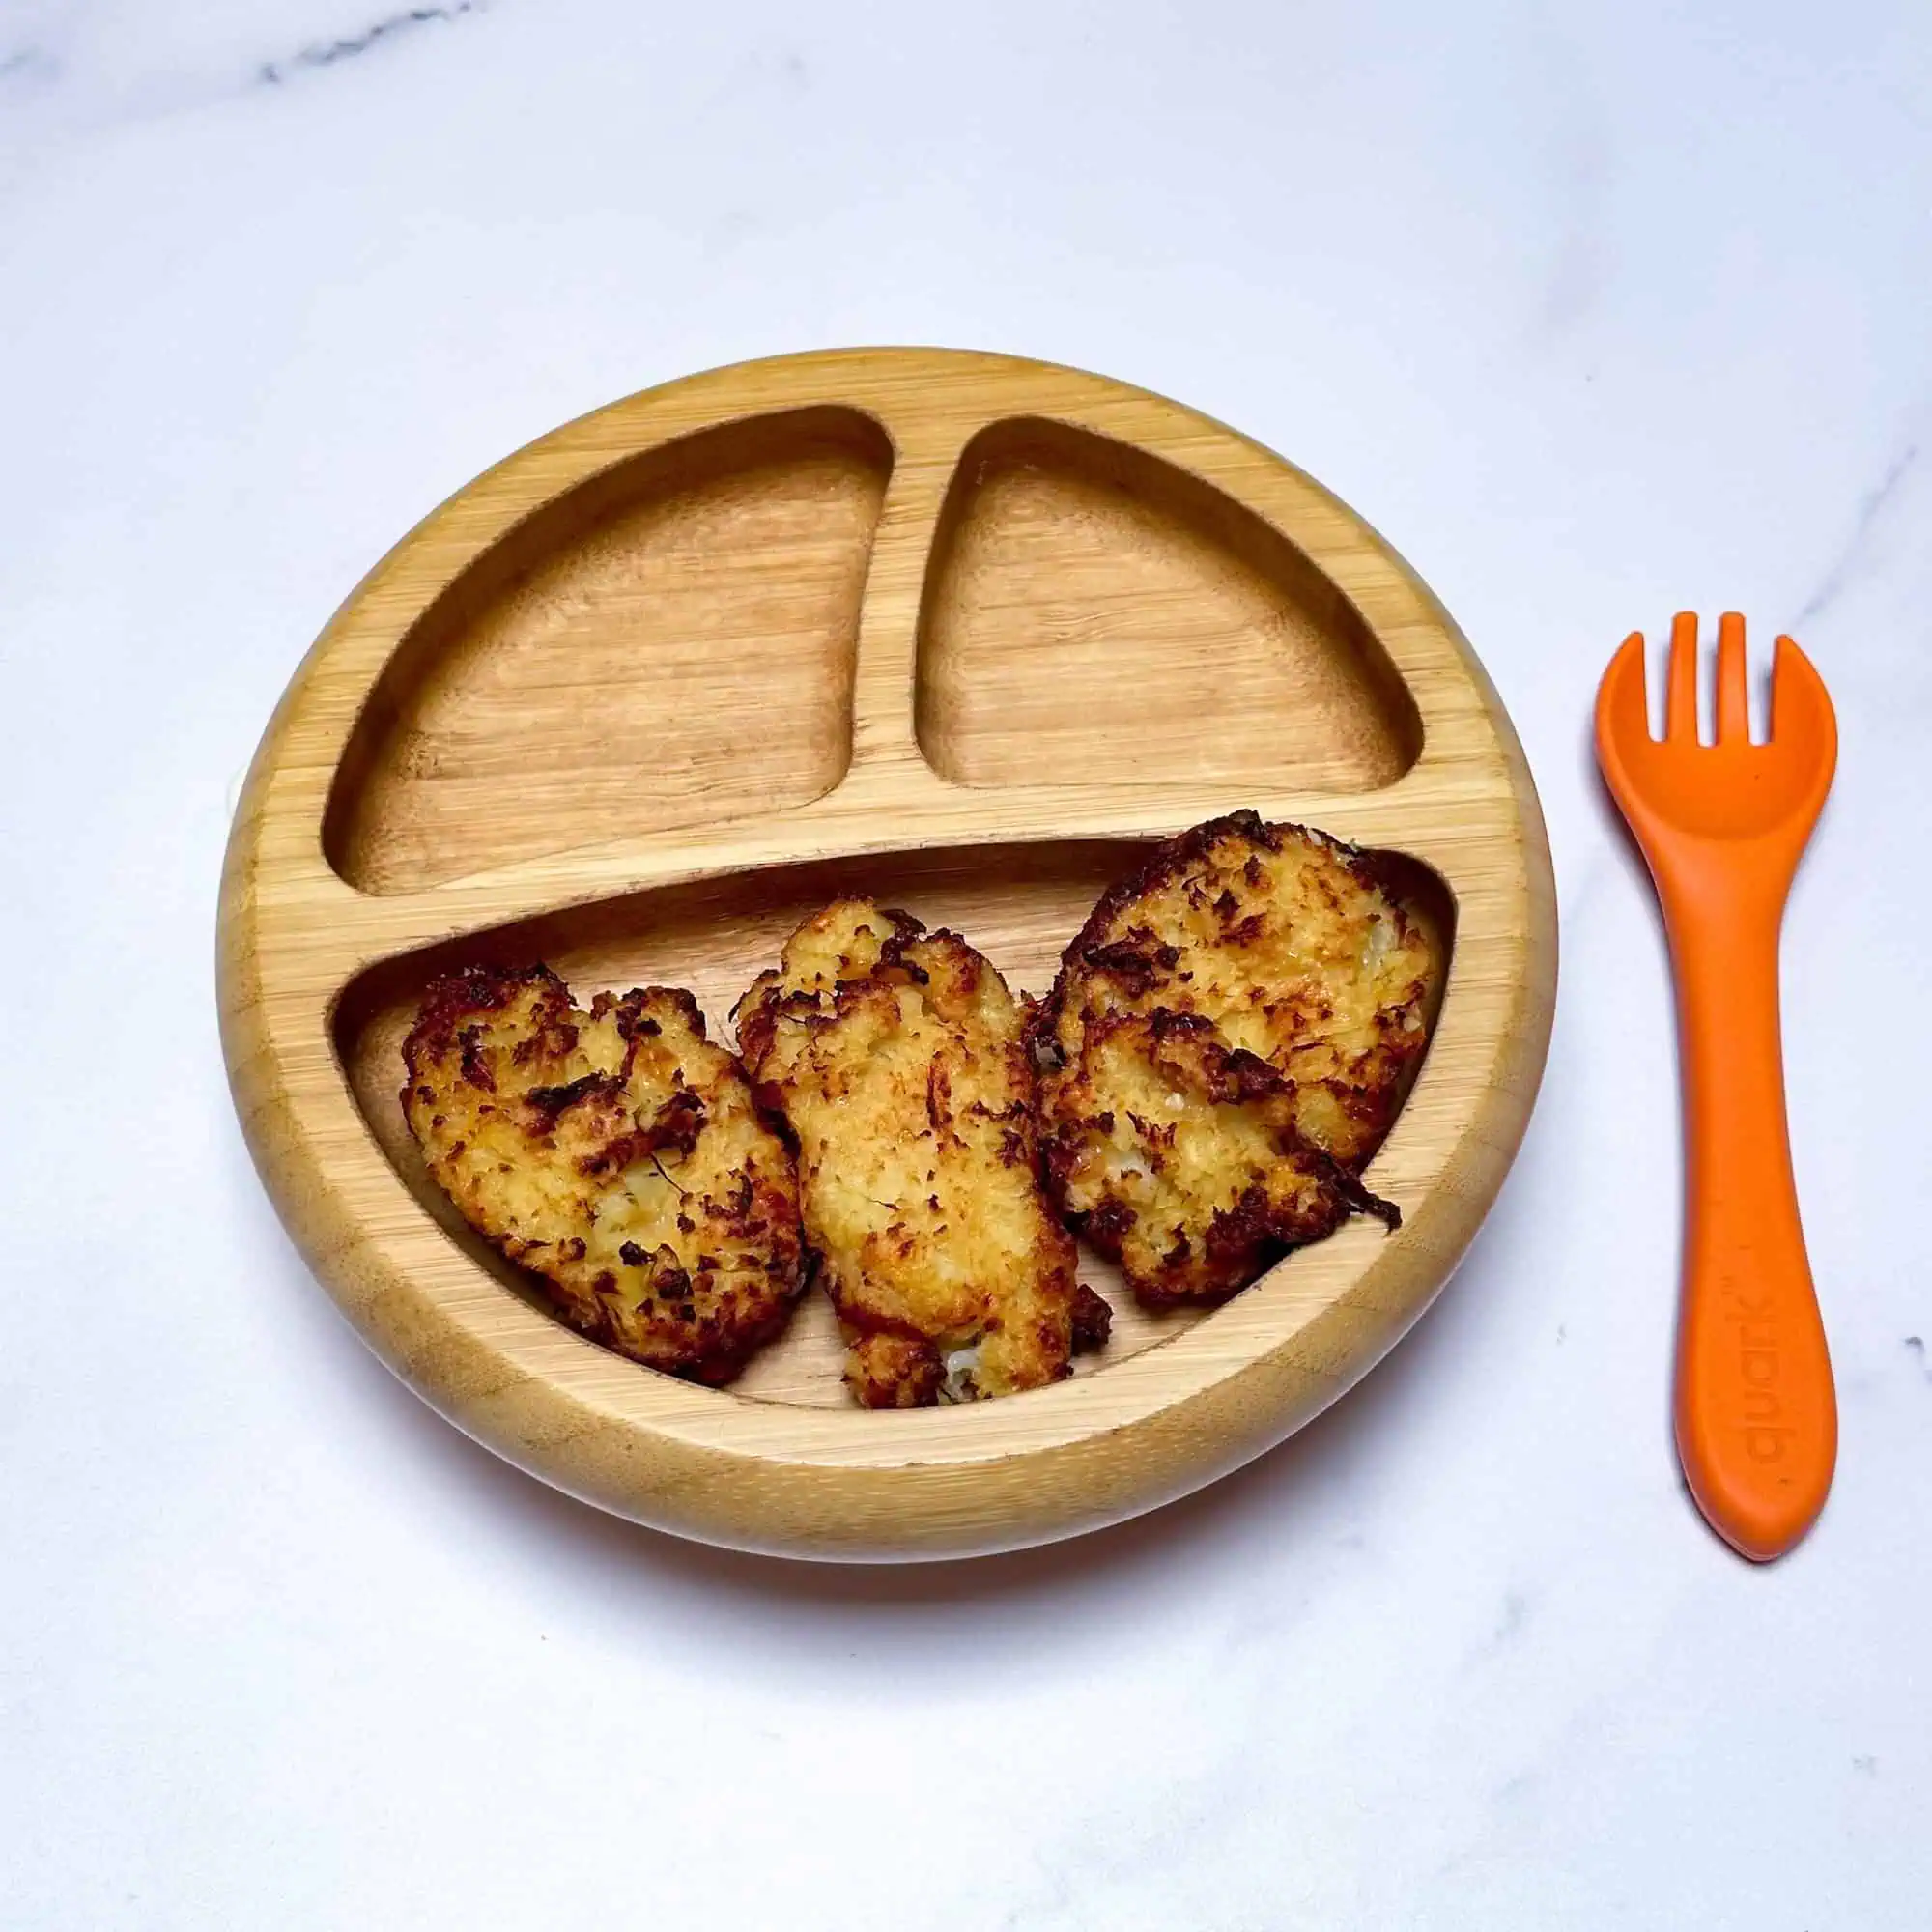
(1595, 310)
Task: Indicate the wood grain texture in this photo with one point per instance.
(572, 668)
(959, 629)
(1078, 589)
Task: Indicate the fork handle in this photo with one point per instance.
(1758, 1420)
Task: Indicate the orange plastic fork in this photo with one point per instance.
(1723, 827)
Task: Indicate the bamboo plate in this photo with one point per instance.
(957, 630)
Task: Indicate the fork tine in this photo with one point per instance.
(1623, 710)
(1680, 711)
(1800, 703)
(1733, 716)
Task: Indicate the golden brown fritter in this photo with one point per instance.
(1228, 1042)
(899, 1057)
(616, 1154)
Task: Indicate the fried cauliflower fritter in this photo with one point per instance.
(898, 1059)
(616, 1154)
(1226, 1046)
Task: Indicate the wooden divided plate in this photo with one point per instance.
(957, 631)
